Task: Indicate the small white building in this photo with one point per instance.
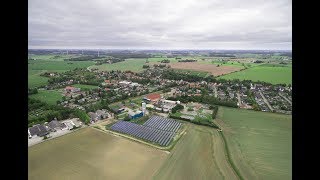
(124, 83)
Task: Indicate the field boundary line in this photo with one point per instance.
(213, 155)
(233, 166)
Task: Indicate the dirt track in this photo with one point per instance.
(213, 69)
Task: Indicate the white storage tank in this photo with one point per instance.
(144, 108)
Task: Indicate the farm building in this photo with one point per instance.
(170, 102)
(134, 84)
(55, 125)
(135, 115)
(118, 110)
(38, 130)
(150, 106)
(98, 115)
(69, 89)
(124, 83)
(70, 123)
(93, 116)
(102, 114)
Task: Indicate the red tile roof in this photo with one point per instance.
(69, 88)
(153, 97)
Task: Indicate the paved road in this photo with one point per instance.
(266, 101)
(285, 98)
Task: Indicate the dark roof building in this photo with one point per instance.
(54, 124)
(39, 130)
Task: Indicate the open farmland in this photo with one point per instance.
(192, 72)
(260, 143)
(35, 80)
(36, 67)
(213, 69)
(199, 154)
(51, 57)
(48, 96)
(57, 66)
(91, 154)
(134, 65)
(274, 75)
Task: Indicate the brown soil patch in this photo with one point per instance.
(213, 69)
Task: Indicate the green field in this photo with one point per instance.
(274, 75)
(260, 143)
(48, 96)
(35, 80)
(199, 154)
(51, 57)
(58, 66)
(36, 67)
(85, 87)
(134, 65)
(91, 154)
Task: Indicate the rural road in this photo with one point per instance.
(285, 99)
(266, 101)
(239, 99)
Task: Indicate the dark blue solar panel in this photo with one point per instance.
(156, 129)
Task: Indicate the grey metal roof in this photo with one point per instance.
(54, 124)
(38, 130)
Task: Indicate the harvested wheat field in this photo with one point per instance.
(211, 68)
(91, 154)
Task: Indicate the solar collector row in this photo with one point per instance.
(163, 123)
(147, 133)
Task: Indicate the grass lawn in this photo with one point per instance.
(48, 96)
(260, 143)
(85, 86)
(35, 80)
(91, 154)
(274, 75)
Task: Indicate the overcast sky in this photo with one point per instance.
(160, 24)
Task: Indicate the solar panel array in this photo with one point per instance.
(162, 123)
(156, 129)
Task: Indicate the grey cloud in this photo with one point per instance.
(160, 24)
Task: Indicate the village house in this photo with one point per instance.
(38, 130)
(72, 89)
(55, 125)
(98, 115)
